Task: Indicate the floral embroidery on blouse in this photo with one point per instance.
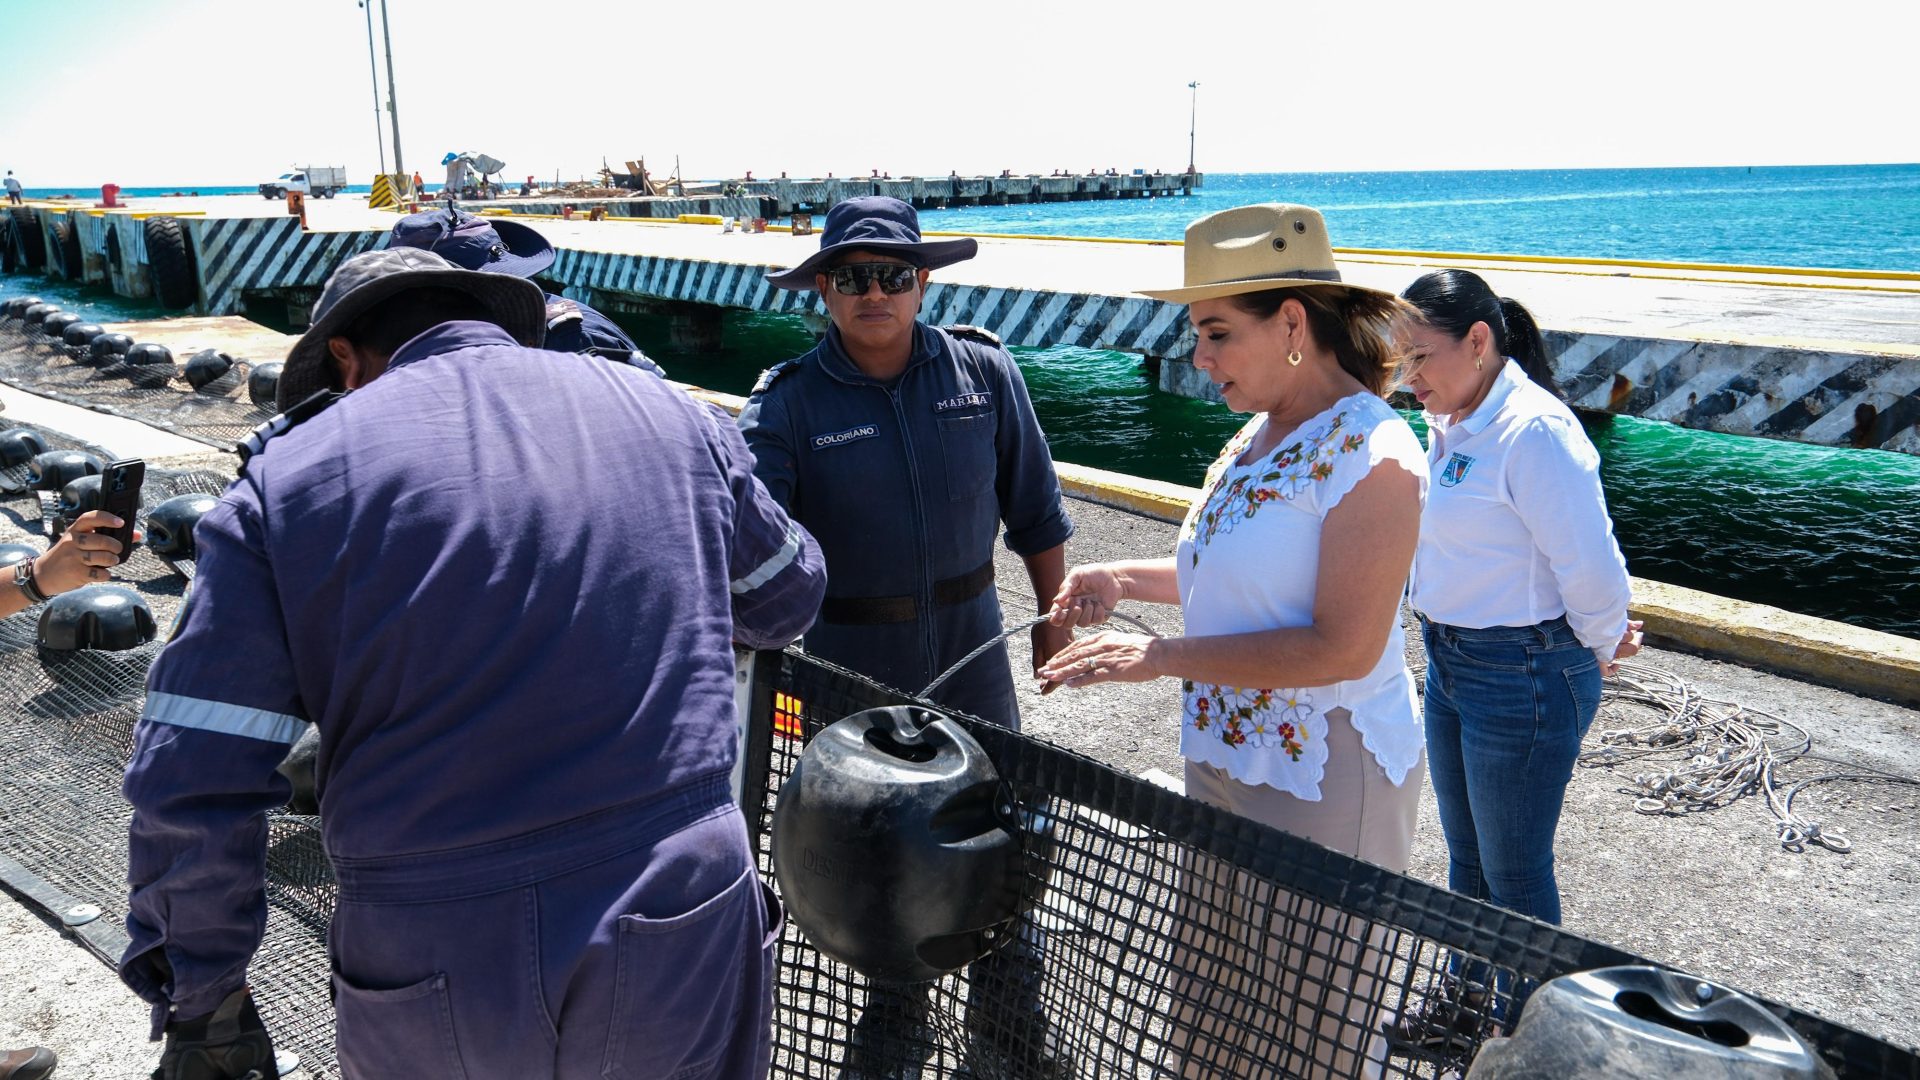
(1289, 471)
(1252, 718)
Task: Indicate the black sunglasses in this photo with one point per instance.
(853, 279)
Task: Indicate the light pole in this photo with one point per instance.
(1192, 116)
(393, 107)
(373, 68)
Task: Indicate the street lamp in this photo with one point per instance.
(373, 68)
(1192, 116)
(393, 105)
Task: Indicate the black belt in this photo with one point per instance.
(879, 610)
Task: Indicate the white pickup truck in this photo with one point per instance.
(318, 181)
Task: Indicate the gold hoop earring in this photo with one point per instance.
(1294, 358)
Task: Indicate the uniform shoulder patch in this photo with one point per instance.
(562, 310)
(974, 333)
(772, 375)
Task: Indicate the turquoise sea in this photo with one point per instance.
(1832, 533)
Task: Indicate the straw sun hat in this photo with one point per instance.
(1254, 248)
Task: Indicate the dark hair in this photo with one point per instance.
(1451, 301)
(404, 316)
(1354, 324)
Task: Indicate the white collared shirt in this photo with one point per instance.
(1516, 530)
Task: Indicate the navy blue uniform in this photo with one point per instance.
(503, 585)
(906, 485)
(574, 327)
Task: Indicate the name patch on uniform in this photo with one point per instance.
(1456, 470)
(964, 401)
(841, 438)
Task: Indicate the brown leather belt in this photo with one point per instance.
(880, 610)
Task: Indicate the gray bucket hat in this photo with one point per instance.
(365, 280)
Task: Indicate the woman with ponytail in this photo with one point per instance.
(1297, 709)
(1522, 598)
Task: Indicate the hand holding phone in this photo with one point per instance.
(120, 496)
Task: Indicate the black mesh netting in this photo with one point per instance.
(218, 414)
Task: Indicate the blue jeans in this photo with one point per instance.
(1506, 708)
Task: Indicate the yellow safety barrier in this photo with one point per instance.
(383, 196)
(700, 219)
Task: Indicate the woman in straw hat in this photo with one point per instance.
(1297, 707)
(1522, 596)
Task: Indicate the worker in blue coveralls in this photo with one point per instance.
(904, 448)
(514, 639)
(493, 246)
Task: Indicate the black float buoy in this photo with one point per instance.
(170, 525)
(77, 496)
(18, 306)
(19, 446)
(897, 848)
(110, 618)
(109, 349)
(1644, 1022)
(56, 323)
(150, 366)
(55, 469)
(207, 366)
(263, 385)
(301, 767)
(35, 315)
(79, 336)
(11, 554)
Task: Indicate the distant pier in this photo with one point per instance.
(783, 197)
(1830, 357)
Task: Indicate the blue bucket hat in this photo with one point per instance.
(875, 223)
(475, 243)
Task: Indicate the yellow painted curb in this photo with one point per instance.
(1836, 654)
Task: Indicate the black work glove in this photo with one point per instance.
(229, 1043)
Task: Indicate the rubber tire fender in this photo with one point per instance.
(33, 245)
(67, 239)
(170, 263)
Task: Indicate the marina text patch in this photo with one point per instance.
(979, 400)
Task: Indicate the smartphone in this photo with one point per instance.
(120, 496)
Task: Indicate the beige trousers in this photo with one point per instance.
(1269, 983)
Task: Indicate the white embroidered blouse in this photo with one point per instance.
(1248, 559)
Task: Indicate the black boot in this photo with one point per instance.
(1447, 1023)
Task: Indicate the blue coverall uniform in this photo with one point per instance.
(503, 584)
(905, 484)
(575, 327)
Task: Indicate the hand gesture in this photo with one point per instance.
(1087, 596)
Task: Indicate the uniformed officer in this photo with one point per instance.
(514, 641)
(508, 247)
(905, 448)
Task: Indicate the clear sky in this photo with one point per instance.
(145, 92)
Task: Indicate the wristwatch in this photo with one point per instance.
(23, 577)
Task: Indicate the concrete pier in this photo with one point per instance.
(1822, 356)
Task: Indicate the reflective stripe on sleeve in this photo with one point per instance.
(189, 712)
(765, 571)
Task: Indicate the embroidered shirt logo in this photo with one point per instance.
(841, 438)
(1456, 470)
(978, 400)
